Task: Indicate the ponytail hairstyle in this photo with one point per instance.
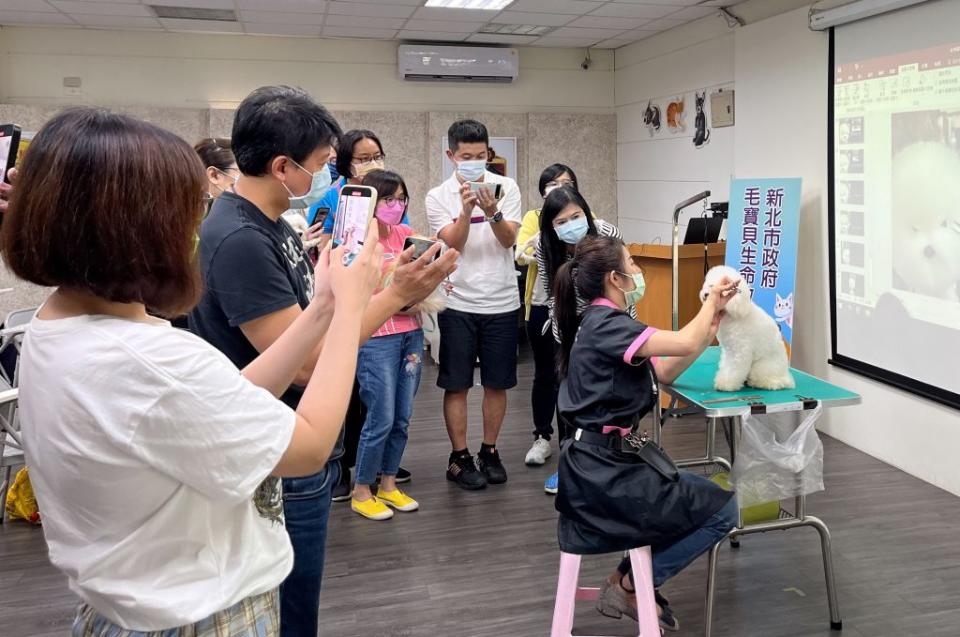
(582, 277)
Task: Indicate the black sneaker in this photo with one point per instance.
(341, 490)
(402, 476)
(465, 474)
(492, 468)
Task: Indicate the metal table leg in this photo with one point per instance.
(800, 519)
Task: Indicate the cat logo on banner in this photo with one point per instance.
(762, 233)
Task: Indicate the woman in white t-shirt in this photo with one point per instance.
(155, 461)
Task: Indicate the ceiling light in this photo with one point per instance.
(489, 5)
(193, 13)
(515, 29)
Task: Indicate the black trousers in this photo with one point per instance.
(543, 395)
(352, 426)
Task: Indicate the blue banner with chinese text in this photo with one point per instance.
(762, 232)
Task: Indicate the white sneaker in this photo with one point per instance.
(539, 452)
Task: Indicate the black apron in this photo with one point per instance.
(614, 500)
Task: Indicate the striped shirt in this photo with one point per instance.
(604, 229)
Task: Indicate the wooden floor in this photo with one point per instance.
(485, 563)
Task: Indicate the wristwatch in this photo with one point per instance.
(496, 218)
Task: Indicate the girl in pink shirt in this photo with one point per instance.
(388, 372)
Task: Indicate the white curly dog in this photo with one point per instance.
(751, 348)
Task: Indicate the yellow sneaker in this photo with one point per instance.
(398, 500)
(372, 509)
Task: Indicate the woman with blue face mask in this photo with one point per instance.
(565, 219)
(543, 393)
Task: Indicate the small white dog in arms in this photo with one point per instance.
(751, 348)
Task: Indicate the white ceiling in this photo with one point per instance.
(576, 23)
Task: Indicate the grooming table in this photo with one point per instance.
(695, 387)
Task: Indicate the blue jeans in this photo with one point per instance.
(670, 559)
(388, 370)
(306, 508)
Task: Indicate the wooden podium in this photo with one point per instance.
(657, 262)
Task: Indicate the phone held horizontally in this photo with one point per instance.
(352, 219)
(495, 189)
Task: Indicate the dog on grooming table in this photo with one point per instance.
(752, 351)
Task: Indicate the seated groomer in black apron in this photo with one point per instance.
(618, 490)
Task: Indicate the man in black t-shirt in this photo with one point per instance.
(257, 281)
(253, 266)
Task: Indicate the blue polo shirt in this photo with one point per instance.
(330, 201)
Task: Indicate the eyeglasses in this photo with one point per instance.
(356, 161)
(561, 182)
(392, 200)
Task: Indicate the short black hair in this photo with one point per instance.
(466, 131)
(386, 183)
(345, 148)
(279, 120)
(553, 171)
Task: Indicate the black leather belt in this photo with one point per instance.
(651, 453)
(611, 440)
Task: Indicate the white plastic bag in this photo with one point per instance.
(779, 456)
(431, 334)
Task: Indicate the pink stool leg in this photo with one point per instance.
(566, 596)
(642, 562)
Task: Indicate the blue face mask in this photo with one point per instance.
(572, 231)
(319, 186)
(472, 170)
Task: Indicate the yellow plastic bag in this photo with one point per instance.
(21, 503)
(755, 514)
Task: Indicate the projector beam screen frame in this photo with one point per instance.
(885, 376)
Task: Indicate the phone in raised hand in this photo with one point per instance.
(419, 247)
(352, 219)
(9, 145)
(494, 189)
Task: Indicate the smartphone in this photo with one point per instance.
(9, 145)
(476, 186)
(352, 219)
(320, 216)
(419, 247)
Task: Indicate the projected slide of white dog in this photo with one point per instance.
(752, 350)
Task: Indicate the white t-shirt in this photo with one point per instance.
(145, 447)
(486, 279)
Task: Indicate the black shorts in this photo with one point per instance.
(464, 336)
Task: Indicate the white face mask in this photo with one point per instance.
(228, 176)
(471, 170)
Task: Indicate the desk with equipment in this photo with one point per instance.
(695, 388)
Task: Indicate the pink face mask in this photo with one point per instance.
(390, 213)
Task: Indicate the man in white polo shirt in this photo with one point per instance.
(481, 316)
